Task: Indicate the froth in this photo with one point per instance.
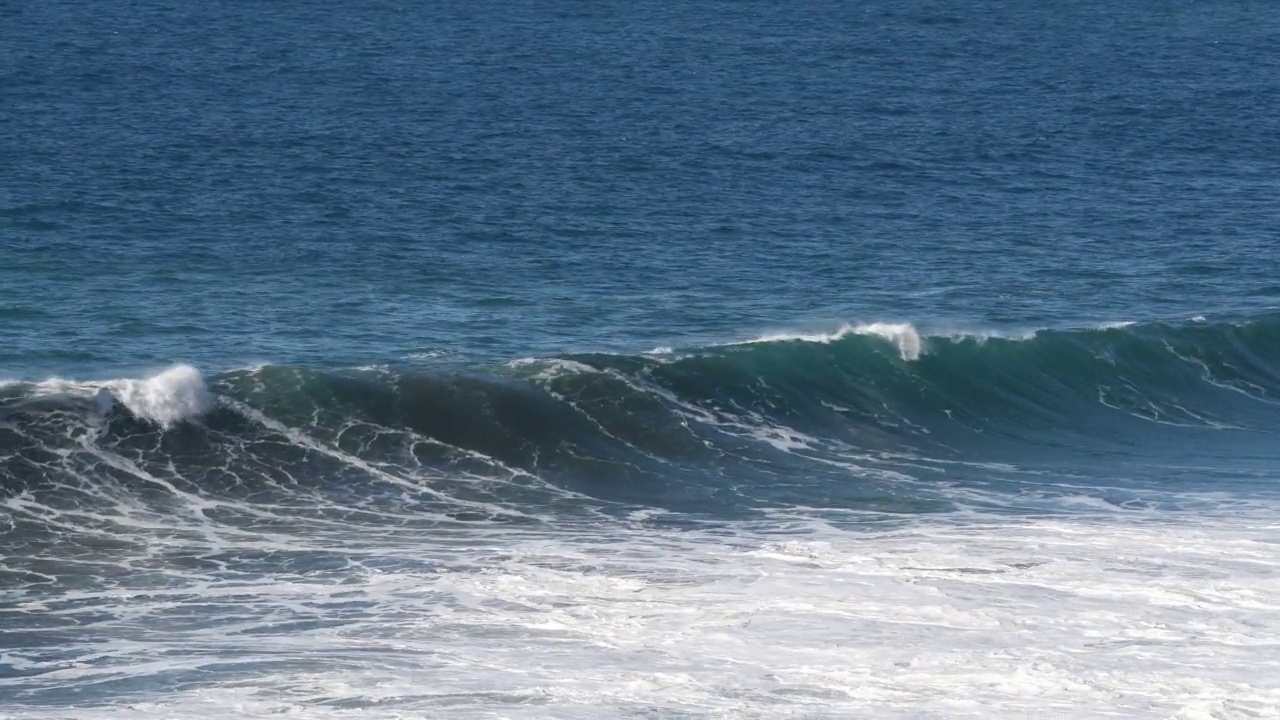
(903, 336)
(165, 399)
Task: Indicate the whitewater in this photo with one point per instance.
(875, 359)
(1082, 617)
(866, 521)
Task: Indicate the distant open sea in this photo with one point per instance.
(715, 359)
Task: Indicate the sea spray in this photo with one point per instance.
(166, 398)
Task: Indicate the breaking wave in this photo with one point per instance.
(867, 416)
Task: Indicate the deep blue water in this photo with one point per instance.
(272, 271)
(296, 182)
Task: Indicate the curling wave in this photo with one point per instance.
(845, 419)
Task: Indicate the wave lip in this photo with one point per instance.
(904, 336)
(838, 420)
(167, 398)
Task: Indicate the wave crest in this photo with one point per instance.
(842, 418)
(904, 336)
(167, 398)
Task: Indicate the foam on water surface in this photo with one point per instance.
(293, 551)
(165, 398)
(1010, 449)
(1166, 617)
(902, 335)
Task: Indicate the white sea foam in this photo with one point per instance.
(1070, 617)
(552, 368)
(166, 398)
(903, 336)
(912, 342)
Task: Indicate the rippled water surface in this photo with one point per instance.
(864, 359)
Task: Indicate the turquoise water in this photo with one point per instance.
(716, 359)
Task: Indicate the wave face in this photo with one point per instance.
(870, 419)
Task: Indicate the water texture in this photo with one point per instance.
(681, 360)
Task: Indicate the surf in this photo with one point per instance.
(876, 415)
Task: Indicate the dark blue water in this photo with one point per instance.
(266, 182)
(463, 266)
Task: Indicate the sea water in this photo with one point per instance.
(639, 360)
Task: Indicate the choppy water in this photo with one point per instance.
(872, 359)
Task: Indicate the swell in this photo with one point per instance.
(867, 416)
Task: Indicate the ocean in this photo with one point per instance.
(549, 359)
